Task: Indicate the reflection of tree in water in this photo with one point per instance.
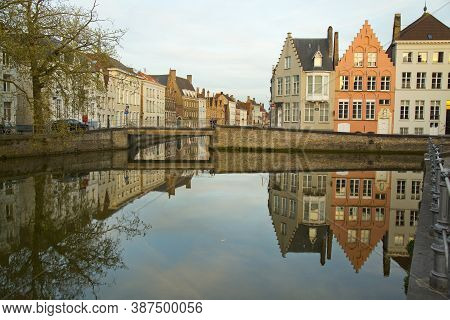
(66, 251)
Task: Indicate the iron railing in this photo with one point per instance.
(440, 193)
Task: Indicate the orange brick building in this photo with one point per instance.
(364, 86)
(360, 206)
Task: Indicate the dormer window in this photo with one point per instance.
(318, 60)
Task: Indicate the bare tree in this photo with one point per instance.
(55, 46)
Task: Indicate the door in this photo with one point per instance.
(383, 126)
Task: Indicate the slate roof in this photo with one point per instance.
(427, 27)
(182, 83)
(302, 243)
(307, 48)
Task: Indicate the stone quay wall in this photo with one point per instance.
(16, 146)
(242, 138)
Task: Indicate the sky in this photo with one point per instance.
(231, 45)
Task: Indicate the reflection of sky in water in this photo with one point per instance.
(217, 241)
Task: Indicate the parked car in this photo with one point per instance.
(6, 128)
(69, 125)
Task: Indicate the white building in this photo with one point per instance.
(8, 94)
(153, 102)
(201, 109)
(421, 54)
(231, 111)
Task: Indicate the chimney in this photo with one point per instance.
(208, 93)
(173, 74)
(397, 27)
(248, 98)
(330, 41)
(189, 78)
(336, 49)
(203, 92)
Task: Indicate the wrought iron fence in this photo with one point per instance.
(440, 193)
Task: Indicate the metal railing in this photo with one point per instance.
(440, 193)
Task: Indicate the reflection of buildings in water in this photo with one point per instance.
(360, 206)
(174, 180)
(299, 204)
(406, 193)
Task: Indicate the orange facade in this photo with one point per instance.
(364, 86)
(360, 208)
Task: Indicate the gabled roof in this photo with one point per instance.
(427, 27)
(307, 49)
(182, 83)
(148, 78)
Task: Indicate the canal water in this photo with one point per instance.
(193, 234)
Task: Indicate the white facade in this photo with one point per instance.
(153, 103)
(232, 112)
(202, 113)
(422, 88)
(256, 115)
(243, 117)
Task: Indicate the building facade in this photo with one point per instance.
(300, 88)
(364, 98)
(421, 54)
(152, 102)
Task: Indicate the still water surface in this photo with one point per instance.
(191, 234)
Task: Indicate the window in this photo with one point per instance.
(401, 187)
(310, 84)
(407, 56)
(351, 236)
(283, 228)
(404, 109)
(321, 183)
(317, 85)
(358, 59)
(343, 110)
(385, 83)
(415, 190)
(6, 83)
(294, 182)
(287, 62)
(370, 110)
(399, 239)
(422, 57)
(365, 236)
(418, 131)
(372, 59)
(413, 217)
(438, 57)
(307, 182)
(340, 188)
(7, 111)
(384, 102)
(400, 218)
(353, 214)
(380, 196)
(287, 112)
(357, 110)
(343, 80)
(371, 83)
(5, 59)
(287, 86)
(421, 78)
(403, 130)
(284, 206)
(436, 80)
(309, 112)
(366, 212)
(448, 80)
(295, 111)
(418, 114)
(406, 80)
(339, 214)
(367, 188)
(357, 83)
(292, 208)
(276, 204)
(434, 109)
(296, 84)
(354, 188)
(324, 111)
(379, 214)
(279, 86)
